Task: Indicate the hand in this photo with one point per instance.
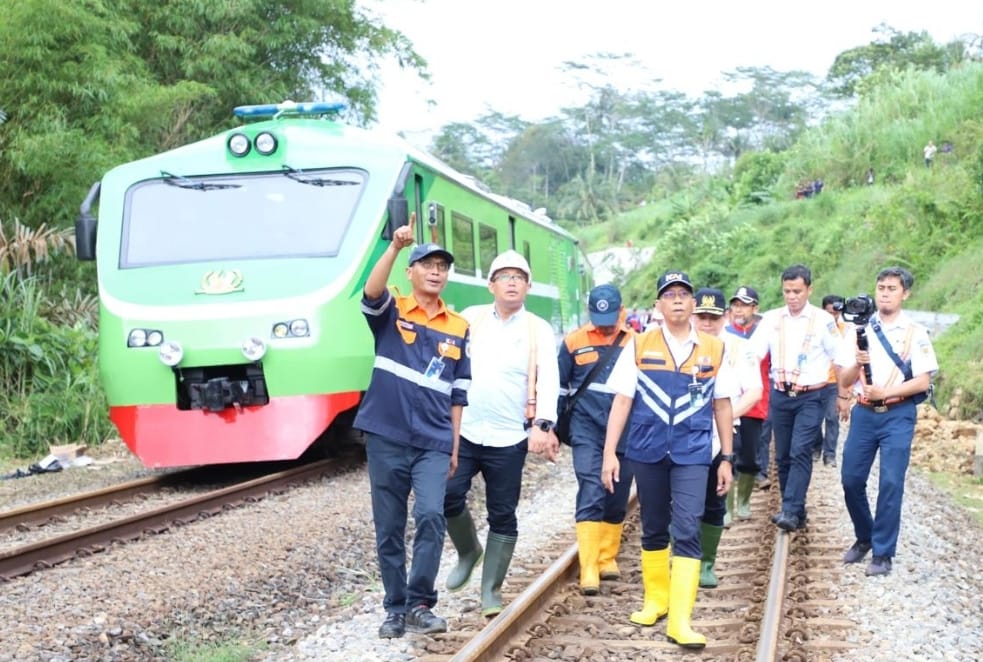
(843, 408)
(453, 465)
(405, 236)
(610, 471)
(553, 447)
(724, 478)
(538, 441)
(863, 357)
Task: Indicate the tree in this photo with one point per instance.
(893, 49)
(101, 82)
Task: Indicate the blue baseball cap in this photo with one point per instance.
(426, 250)
(674, 278)
(604, 305)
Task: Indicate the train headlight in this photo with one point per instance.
(253, 349)
(265, 143)
(299, 328)
(171, 353)
(280, 330)
(154, 338)
(239, 144)
(137, 338)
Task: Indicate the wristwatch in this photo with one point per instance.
(729, 457)
(543, 424)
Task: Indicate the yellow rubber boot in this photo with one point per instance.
(683, 581)
(607, 560)
(588, 549)
(655, 580)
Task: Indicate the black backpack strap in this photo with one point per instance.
(601, 362)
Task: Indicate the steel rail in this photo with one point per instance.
(771, 619)
(25, 559)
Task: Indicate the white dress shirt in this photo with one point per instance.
(883, 369)
(499, 375)
(811, 341)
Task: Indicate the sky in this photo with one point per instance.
(508, 55)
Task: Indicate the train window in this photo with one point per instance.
(527, 252)
(462, 229)
(179, 219)
(487, 246)
(435, 222)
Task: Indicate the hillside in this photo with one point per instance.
(744, 227)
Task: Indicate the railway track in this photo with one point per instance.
(23, 559)
(776, 599)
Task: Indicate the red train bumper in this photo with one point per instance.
(164, 436)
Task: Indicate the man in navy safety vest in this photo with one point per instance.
(902, 362)
(675, 383)
(600, 515)
(411, 414)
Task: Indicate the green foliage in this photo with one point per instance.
(755, 174)
(49, 382)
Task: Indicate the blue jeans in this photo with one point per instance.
(870, 432)
(502, 470)
(394, 469)
(795, 422)
(828, 436)
(594, 503)
(671, 494)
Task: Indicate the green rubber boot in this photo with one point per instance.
(709, 540)
(460, 529)
(745, 485)
(498, 557)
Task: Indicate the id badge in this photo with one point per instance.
(435, 369)
(696, 395)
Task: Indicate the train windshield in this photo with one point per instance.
(181, 218)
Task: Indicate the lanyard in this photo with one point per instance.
(783, 376)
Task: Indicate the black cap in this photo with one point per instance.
(746, 294)
(709, 300)
(674, 278)
(426, 250)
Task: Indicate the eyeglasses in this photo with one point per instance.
(430, 265)
(509, 278)
(682, 295)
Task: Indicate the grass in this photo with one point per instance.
(180, 650)
(967, 491)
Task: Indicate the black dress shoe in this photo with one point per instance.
(786, 521)
(422, 620)
(393, 627)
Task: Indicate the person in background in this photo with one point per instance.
(411, 414)
(902, 362)
(829, 433)
(675, 384)
(600, 515)
(749, 445)
(802, 340)
(929, 153)
(708, 317)
(514, 391)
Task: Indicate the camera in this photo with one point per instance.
(858, 310)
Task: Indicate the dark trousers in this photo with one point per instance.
(394, 470)
(594, 503)
(746, 445)
(829, 434)
(502, 470)
(764, 447)
(870, 432)
(795, 422)
(716, 504)
(673, 495)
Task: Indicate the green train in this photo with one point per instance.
(230, 275)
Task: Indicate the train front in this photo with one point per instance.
(230, 272)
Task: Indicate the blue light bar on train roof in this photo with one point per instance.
(276, 109)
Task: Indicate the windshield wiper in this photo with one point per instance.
(197, 185)
(298, 175)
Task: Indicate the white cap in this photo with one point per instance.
(510, 260)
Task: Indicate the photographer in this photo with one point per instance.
(889, 367)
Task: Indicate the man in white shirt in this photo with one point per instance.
(514, 389)
(901, 361)
(802, 339)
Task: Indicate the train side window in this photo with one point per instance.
(527, 253)
(435, 222)
(462, 229)
(487, 246)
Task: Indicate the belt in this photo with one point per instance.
(881, 407)
(795, 390)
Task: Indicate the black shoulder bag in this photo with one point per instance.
(562, 427)
(903, 366)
